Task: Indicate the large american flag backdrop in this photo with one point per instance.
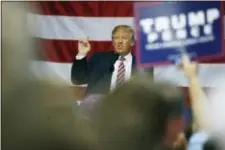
(62, 24)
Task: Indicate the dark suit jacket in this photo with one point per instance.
(96, 72)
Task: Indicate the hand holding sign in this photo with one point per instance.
(189, 68)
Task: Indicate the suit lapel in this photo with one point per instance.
(112, 59)
(133, 69)
(108, 75)
(115, 56)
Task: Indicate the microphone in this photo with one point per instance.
(111, 68)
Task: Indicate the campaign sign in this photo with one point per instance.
(165, 29)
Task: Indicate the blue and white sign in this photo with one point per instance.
(165, 29)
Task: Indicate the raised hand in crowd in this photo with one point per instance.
(196, 93)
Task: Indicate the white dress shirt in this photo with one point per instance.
(128, 68)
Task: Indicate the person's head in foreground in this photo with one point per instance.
(36, 115)
(140, 115)
(123, 39)
(16, 49)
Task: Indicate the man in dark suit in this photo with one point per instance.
(105, 71)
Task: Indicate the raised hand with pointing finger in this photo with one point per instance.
(84, 47)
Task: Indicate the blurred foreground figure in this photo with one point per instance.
(36, 115)
(16, 45)
(140, 115)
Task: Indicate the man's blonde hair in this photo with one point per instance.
(127, 27)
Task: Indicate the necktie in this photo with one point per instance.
(121, 72)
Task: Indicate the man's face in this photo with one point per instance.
(122, 41)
